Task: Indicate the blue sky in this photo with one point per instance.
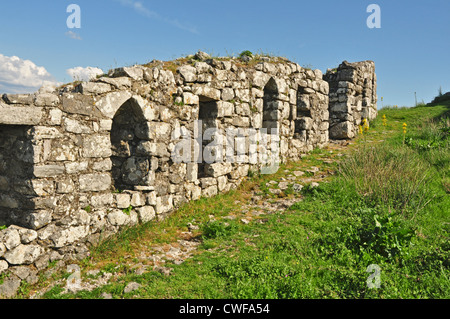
(411, 49)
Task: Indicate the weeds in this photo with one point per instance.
(393, 176)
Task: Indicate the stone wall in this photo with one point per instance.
(353, 97)
(81, 162)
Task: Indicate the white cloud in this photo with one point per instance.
(73, 35)
(22, 76)
(141, 9)
(84, 74)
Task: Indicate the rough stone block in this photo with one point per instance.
(123, 200)
(12, 115)
(218, 169)
(23, 254)
(94, 88)
(97, 146)
(76, 103)
(46, 99)
(164, 204)
(146, 213)
(74, 126)
(95, 182)
(48, 170)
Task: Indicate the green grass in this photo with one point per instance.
(388, 206)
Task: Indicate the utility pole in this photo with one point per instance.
(415, 95)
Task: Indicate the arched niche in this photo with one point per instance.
(271, 107)
(129, 134)
(208, 113)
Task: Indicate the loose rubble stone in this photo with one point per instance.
(132, 286)
(9, 287)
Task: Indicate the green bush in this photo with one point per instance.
(246, 53)
(217, 229)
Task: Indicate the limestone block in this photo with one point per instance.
(76, 167)
(94, 88)
(240, 171)
(146, 213)
(109, 104)
(62, 151)
(95, 182)
(23, 254)
(26, 235)
(343, 107)
(188, 72)
(102, 200)
(218, 169)
(191, 172)
(76, 103)
(206, 91)
(55, 116)
(68, 236)
(74, 126)
(190, 99)
(65, 186)
(135, 72)
(39, 219)
(10, 237)
(12, 115)
(342, 130)
(210, 191)
(225, 109)
(43, 187)
(118, 218)
(96, 146)
(151, 198)
(103, 165)
(222, 183)
(105, 125)
(164, 204)
(19, 98)
(123, 200)
(207, 181)
(137, 200)
(48, 170)
(46, 99)
(305, 123)
(228, 94)
(119, 82)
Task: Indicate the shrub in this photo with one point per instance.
(217, 229)
(246, 53)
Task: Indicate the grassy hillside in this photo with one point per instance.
(383, 200)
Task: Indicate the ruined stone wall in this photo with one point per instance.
(81, 162)
(353, 97)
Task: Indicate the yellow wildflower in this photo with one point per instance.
(365, 125)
